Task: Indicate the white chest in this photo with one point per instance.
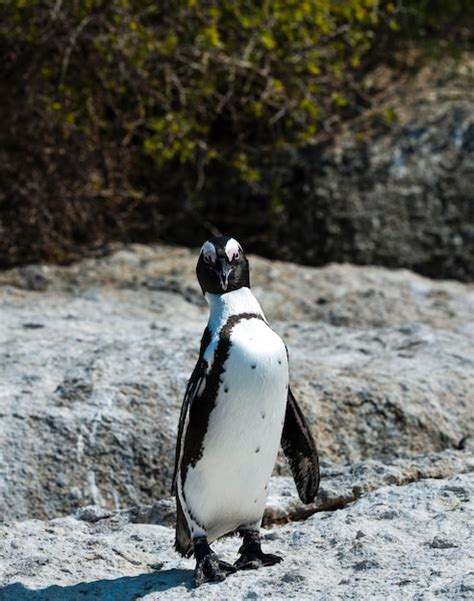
(256, 369)
(227, 487)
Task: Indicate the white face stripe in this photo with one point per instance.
(208, 250)
(232, 248)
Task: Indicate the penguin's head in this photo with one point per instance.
(222, 266)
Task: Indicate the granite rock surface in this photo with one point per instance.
(95, 359)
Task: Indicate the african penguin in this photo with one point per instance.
(237, 410)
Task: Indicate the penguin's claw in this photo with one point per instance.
(251, 560)
(211, 569)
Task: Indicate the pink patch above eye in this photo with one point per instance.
(232, 249)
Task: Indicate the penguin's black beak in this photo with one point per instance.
(224, 270)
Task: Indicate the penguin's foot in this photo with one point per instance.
(251, 555)
(253, 561)
(209, 568)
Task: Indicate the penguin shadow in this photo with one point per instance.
(127, 588)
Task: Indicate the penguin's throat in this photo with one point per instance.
(236, 302)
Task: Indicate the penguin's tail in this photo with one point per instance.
(183, 542)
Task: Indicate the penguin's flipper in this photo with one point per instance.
(300, 451)
(192, 390)
(183, 541)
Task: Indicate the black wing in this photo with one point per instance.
(194, 384)
(300, 451)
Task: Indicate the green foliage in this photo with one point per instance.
(194, 81)
(135, 111)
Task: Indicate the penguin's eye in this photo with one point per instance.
(236, 255)
(208, 258)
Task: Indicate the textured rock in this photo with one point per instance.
(405, 542)
(341, 484)
(342, 295)
(398, 197)
(95, 359)
(383, 392)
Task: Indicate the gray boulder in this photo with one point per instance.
(95, 360)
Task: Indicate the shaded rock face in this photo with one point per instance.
(403, 199)
(96, 356)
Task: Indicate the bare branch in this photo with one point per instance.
(72, 42)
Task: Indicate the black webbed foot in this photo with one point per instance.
(251, 555)
(253, 561)
(209, 568)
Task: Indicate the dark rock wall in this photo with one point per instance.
(403, 197)
(401, 200)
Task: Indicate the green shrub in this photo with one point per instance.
(121, 111)
(194, 81)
